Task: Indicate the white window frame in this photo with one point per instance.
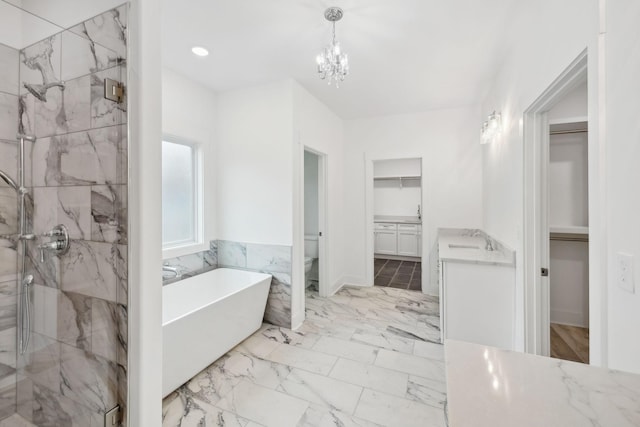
(198, 244)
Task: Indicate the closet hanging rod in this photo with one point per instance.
(564, 132)
(569, 239)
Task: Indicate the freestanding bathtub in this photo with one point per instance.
(205, 316)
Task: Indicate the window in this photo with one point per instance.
(181, 196)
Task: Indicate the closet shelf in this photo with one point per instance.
(407, 177)
(568, 229)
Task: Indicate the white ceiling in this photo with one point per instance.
(405, 55)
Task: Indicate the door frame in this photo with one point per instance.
(536, 210)
(369, 219)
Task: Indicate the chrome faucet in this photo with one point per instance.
(488, 241)
(175, 270)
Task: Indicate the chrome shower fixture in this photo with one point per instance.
(6, 178)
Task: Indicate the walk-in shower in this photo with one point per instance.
(63, 213)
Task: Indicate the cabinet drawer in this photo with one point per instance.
(408, 227)
(385, 226)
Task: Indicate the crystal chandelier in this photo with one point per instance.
(333, 64)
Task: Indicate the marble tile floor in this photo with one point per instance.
(15, 420)
(365, 357)
(398, 274)
(570, 343)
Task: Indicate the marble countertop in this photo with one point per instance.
(397, 219)
(453, 247)
(487, 386)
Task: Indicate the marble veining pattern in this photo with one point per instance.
(76, 171)
(493, 387)
(326, 373)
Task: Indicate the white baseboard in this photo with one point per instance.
(569, 318)
(297, 321)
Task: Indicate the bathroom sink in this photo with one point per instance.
(456, 246)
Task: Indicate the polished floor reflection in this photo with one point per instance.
(364, 357)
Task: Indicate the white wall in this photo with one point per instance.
(623, 175)
(310, 194)
(449, 144)
(545, 37)
(145, 225)
(395, 197)
(189, 112)
(255, 164)
(392, 198)
(573, 105)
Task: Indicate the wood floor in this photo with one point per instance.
(398, 274)
(570, 343)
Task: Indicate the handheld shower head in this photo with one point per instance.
(6, 178)
(40, 91)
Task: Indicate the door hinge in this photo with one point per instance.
(114, 90)
(113, 417)
(320, 234)
(544, 272)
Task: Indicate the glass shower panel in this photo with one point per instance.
(74, 368)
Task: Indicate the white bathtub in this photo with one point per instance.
(205, 316)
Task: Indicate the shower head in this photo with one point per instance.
(40, 91)
(6, 178)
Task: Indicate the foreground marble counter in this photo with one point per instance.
(487, 386)
(452, 242)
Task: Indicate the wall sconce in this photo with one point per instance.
(491, 128)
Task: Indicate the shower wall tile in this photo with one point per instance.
(105, 112)
(122, 272)
(8, 116)
(9, 159)
(9, 286)
(82, 158)
(8, 347)
(41, 364)
(76, 104)
(74, 323)
(40, 62)
(81, 57)
(104, 329)
(232, 254)
(91, 269)
(7, 396)
(45, 273)
(50, 409)
(107, 30)
(69, 206)
(45, 315)
(109, 213)
(9, 60)
(8, 312)
(8, 210)
(49, 115)
(27, 114)
(88, 379)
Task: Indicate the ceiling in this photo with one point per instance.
(405, 55)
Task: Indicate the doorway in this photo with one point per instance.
(397, 215)
(557, 271)
(314, 222)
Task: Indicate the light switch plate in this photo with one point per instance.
(624, 272)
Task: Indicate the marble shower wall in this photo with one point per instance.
(76, 366)
(8, 226)
(271, 259)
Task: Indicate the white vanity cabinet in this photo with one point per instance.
(478, 303)
(408, 240)
(386, 239)
(398, 239)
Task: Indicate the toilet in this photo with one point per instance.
(310, 253)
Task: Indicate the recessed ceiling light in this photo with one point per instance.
(200, 51)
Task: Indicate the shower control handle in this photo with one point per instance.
(59, 244)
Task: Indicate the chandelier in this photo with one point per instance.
(333, 64)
